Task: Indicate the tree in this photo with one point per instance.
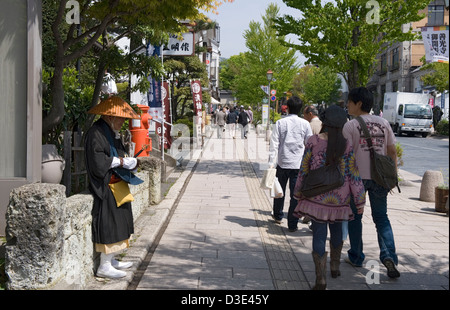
(246, 72)
(183, 69)
(346, 35)
(439, 77)
(97, 16)
(317, 85)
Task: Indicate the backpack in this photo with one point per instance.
(382, 167)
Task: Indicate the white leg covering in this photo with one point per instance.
(120, 265)
(106, 270)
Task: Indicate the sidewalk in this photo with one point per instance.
(213, 231)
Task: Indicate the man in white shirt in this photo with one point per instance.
(287, 145)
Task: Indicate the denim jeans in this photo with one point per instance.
(285, 175)
(320, 236)
(378, 205)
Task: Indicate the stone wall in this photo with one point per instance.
(49, 239)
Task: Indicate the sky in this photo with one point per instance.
(234, 18)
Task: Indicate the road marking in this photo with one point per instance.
(421, 147)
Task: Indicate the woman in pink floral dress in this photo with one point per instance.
(333, 207)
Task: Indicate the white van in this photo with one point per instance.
(408, 113)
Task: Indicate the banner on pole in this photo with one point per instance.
(196, 88)
(435, 40)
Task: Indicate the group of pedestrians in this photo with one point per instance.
(298, 146)
(233, 118)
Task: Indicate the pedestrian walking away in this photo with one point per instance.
(231, 123)
(250, 115)
(107, 165)
(287, 145)
(330, 208)
(243, 121)
(360, 102)
(311, 114)
(221, 121)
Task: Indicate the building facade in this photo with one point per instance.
(398, 65)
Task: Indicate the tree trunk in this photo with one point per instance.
(57, 111)
(353, 75)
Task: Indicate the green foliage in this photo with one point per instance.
(314, 85)
(246, 72)
(103, 23)
(77, 100)
(188, 122)
(443, 128)
(342, 36)
(399, 149)
(185, 69)
(439, 77)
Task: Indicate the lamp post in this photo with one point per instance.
(269, 78)
(269, 132)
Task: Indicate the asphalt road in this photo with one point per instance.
(422, 154)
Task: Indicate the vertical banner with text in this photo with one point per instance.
(436, 41)
(196, 88)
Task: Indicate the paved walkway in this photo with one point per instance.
(218, 234)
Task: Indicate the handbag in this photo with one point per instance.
(322, 180)
(276, 191)
(121, 192)
(268, 178)
(382, 167)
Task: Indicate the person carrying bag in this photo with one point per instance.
(328, 179)
(381, 142)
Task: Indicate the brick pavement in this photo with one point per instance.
(218, 234)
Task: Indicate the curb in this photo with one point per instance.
(148, 229)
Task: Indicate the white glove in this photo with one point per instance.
(129, 163)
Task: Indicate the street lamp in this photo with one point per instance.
(269, 78)
(268, 131)
(269, 75)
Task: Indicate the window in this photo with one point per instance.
(395, 59)
(435, 15)
(394, 86)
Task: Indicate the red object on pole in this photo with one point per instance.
(139, 132)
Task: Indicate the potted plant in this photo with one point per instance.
(441, 197)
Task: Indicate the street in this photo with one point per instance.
(420, 155)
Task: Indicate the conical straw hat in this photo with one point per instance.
(114, 106)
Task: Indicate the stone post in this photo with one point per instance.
(430, 180)
(35, 236)
(153, 166)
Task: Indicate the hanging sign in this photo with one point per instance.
(435, 40)
(177, 47)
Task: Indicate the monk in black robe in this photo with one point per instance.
(112, 226)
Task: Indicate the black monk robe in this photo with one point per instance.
(110, 224)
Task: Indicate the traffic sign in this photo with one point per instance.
(273, 92)
(273, 98)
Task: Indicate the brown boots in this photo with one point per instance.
(321, 268)
(335, 260)
(320, 263)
